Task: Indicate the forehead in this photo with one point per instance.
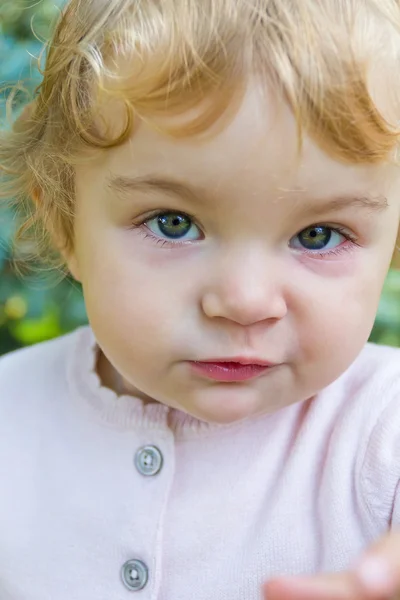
(257, 150)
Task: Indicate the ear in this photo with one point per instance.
(395, 264)
(69, 259)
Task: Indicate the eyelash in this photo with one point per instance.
(148, 234)
(161, 242)
(351, 239)
(351, 242)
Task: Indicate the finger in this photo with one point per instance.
(372, 579)
(378, 571)
(337, 586)
(375, 577)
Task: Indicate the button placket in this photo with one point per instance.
(148, 462)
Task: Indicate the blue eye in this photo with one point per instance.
(174, 226)
(317, 237)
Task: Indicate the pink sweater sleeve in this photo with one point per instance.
(380, 474)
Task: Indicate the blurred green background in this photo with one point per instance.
(36, 308)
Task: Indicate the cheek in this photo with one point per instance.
(131, 316)
(332, 325)
(129, 296)
(337, 319)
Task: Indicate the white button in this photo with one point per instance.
(148, 460)
(135, 575)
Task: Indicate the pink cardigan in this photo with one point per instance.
(104, 499)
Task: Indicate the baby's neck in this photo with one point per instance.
(110, 378)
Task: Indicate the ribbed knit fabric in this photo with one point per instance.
(302, 490)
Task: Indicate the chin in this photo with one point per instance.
(225, 405)
(227, 419)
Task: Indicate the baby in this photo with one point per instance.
(222, 178)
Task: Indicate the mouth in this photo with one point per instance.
(231, 369)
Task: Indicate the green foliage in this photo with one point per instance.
(32, 309)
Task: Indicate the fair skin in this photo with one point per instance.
(251, 277)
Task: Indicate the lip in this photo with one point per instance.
(231, 369)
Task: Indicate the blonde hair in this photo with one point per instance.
(165, 57)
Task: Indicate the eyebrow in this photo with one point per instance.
(122, 184)
(336, 204)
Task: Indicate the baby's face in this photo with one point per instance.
(230, 249)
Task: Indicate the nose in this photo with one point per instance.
(246, 290)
